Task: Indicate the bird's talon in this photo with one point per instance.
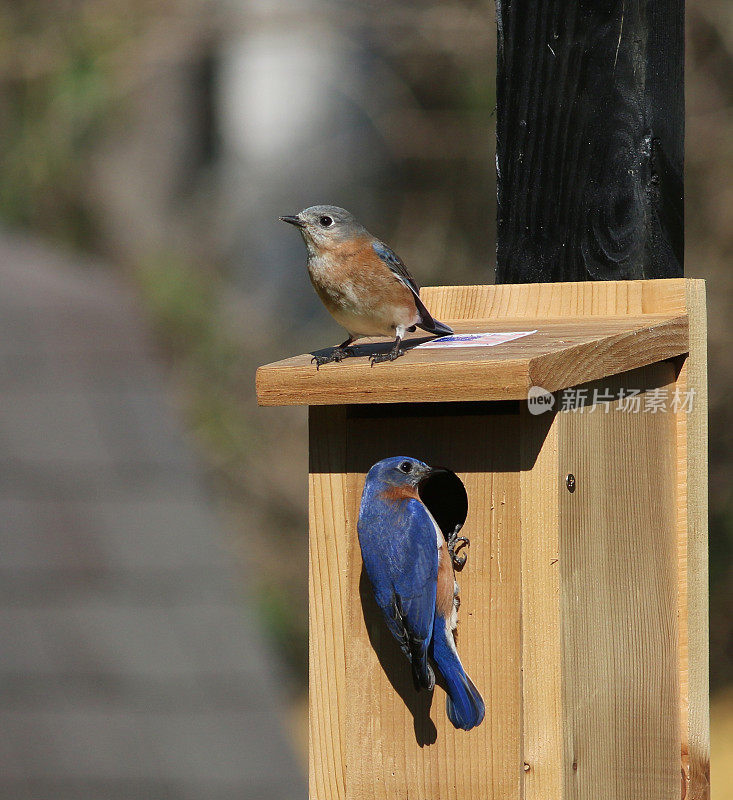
(338, 354)
(456, 543)
(378, 358)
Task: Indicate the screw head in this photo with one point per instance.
(570, 482)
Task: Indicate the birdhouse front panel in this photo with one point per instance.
(399, 741)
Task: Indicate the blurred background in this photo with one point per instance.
(147, 151)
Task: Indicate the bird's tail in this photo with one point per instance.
(464, 705)
(436, 327)
(427, 323)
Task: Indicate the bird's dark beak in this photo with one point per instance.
(424, 473)
(297, 221)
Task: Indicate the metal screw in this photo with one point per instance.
(570, 482)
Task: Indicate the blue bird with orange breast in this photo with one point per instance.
(362, 282)
(411, 571)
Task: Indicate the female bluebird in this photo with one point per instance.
(411, 571)
(362, 283)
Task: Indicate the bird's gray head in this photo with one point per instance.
(325, 226)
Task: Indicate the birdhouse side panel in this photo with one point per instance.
(619, 591)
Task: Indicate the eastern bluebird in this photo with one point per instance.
(363, 284)
(410, 568)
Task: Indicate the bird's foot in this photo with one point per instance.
(456, 543)
(377, 358)
(337, 354)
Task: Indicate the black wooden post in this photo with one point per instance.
(590, 139)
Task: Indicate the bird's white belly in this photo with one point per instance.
(370, 322)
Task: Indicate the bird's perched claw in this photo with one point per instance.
(456, 543)
(377, 358)
(337, 354)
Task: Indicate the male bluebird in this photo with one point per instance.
(362, 283)
(410, 568)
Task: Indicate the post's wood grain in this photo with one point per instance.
(400, 743)
(619, 598)
(561, 353)
(590, 140)
(329, 599)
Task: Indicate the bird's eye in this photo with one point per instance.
(405, 467)
(326, 222)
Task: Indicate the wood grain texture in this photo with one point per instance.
(557, 300)
(561, 353)
(542, 730)
(328, 604)
(619, 599)
(401, 744)
(692, 510)
(590, 135)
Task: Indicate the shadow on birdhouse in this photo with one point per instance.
(395, 666)
(371, 348)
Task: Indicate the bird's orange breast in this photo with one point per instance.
(444, 597)
(395, 494)
(360, 291)
(354, 267)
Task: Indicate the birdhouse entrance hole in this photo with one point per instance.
(445, 497)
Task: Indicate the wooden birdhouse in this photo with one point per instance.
(583, 616)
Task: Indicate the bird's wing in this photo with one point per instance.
(394, 262)
(399, 270)
(414, 576)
